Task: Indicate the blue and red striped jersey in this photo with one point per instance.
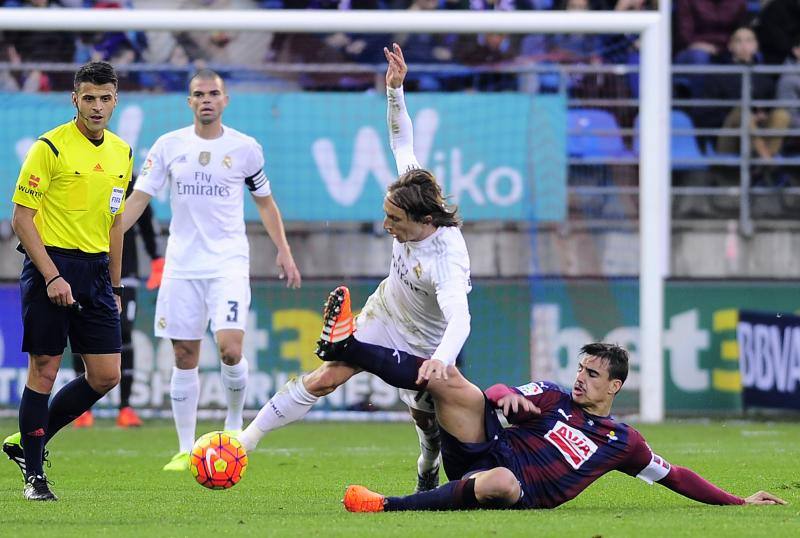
(563, 450)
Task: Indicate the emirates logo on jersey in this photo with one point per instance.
(573, 444)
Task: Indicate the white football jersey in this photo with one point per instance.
(422, 276)
(426, 278)
(207, 181)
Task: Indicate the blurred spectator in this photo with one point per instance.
(361, 48)
(499, 5)
(339, 47)
(564, 48)
(176, 80)
(119, 48)
(42, 46)
(743, 51)
(622, 48)
(704, 27)
(623, 5)
(425, 49)
(485, 50)
(778, 28)
(789, 88)
(561, 48)
(224, 47)
(703, 30)
(7, 81)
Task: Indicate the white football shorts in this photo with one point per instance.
(372, 330)
(185, 307)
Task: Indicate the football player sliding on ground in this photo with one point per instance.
(558, 443)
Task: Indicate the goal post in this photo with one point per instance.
(653, 27)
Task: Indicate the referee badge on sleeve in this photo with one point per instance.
(117, 193)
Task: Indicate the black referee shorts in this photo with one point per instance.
(46, 326)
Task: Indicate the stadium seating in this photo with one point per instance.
(685, 151)
(594, 133)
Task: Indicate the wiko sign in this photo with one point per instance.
(498, 156)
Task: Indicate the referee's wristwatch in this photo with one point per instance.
(118, 289)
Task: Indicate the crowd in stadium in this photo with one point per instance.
(705, 32)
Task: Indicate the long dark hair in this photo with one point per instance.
(417, 193)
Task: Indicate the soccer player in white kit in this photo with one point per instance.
(420, 308)
(208, 166)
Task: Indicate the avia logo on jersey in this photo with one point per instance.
(531, 389)
(33, 181)
(572, 443)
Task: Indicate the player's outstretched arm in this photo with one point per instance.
(763, 497)
(692, 485)
(401, 132)
(396, 72)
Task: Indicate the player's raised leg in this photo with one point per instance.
(294, 400)
(454, 394)
(184, 392)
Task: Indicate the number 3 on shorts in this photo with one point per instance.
(233, 315)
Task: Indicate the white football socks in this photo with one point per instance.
(234, 380)
(184, 391)
(430, 443)
(289, 404)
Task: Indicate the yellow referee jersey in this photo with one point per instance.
(76, 187)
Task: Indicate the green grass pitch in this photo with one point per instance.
(110, 484)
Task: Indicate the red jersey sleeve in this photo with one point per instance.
(650, 467)
(542, 394)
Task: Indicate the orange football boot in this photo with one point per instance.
(360, 499)
(86, 420)
(338, 324)
(128, 418)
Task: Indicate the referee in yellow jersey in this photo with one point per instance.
(67, 202)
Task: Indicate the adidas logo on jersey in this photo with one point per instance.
(98, 168)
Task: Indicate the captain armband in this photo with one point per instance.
(657, 469)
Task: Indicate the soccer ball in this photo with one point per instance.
(217, 461)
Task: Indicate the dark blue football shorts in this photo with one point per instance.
(46, 326)
(463, 459)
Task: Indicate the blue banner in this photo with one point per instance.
(498, 156)
(769, 359)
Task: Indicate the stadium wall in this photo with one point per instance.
(535, 337)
